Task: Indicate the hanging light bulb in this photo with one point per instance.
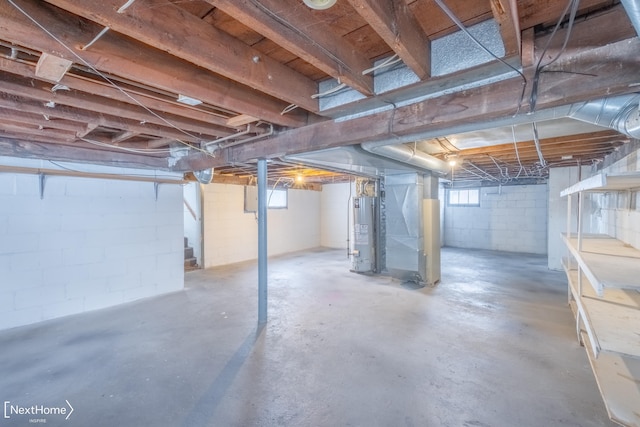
(319, 4)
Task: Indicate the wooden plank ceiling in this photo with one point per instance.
(111, 81)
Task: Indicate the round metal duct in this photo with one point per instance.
(204, 176)
(319, 4)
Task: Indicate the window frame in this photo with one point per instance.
(458, 204)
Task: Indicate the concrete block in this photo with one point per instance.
(7, 185)
(82, 256)
(62, 308)
(39, 223)
(5, 263)
(26, 261)
(84, 187)
(22, 317)
(38, 297)
(124, 281)
(95, 302)
(19, 242)
(78, 289)
(58, 240)
(29, 185)
(14, 280)
(133, 294)
(6, 301)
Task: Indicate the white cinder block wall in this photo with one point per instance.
(509, 218)
(614, 214)
(335, 216)
(231, 235)
(88, 244)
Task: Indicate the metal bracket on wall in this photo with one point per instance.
(156, 187)
(41, 183)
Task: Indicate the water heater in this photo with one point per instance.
(363, 254)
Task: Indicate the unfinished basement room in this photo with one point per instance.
(320, 213)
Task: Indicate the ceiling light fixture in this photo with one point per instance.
(319, 4)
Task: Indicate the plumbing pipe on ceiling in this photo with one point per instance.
(407, 155)
(620, 113)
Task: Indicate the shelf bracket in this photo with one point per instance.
(156, 188)
(41, 181)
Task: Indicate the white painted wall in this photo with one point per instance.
(335, 215)
(509, 218)
(193, 225)
(231, 235)
(616, 214)
(88, 244)
(559, 179)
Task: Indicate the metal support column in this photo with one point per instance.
(262, 241)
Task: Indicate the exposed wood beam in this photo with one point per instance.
(123, 136)
(399, 28)
(593, 73)
(298, 30)
(19, 148)
(52, 68)
(16, 128)
(154, 23)
(505, 12)
(535, 12)
(87, 130)
(19, 86)
(79, 115)
(135, 62)
(39, 120)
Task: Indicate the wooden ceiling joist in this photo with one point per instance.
(153, 22)
(398, 27)
(133, 61)
(505, 12)
(289, 27)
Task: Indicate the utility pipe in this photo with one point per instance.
(262, 241)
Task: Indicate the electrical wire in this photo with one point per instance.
(108, 80)
(464, 29)
(386, 63)
(573, 5)
(515, 146)
(536, 141)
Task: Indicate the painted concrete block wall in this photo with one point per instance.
(192, 218)
(510, 218)
(559, 179)
(335, 214)
(618, 214)
(88, 244)
(231, 235)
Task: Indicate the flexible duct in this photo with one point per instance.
(632, 7)
(405, 154)
(620, 113)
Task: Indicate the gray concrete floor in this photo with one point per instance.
(492, 345)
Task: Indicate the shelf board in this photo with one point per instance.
(607, 262)
(605, 182)
(617, 378)
(614, 320)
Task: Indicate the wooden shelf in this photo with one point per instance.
(605, 182)
(612, 322)
(607, 262)
(616, 376)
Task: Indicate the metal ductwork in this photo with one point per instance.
(405, 154)
(204, 176)
(621, 113)
(632, 7)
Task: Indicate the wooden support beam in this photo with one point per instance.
(36, 150)
(399, 28)
(134, 61)
(302, 32)
(19, 86)
(87, 130)
(123, 136)
(505, 13)
(590, 74)
(18, 103)
(152, 22)
(39, 120)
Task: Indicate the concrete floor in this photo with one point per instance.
(492, 345)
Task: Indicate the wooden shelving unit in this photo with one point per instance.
(604, 295)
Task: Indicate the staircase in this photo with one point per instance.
(190, 262)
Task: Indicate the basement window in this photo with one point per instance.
(467, 197)
(277, 198)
